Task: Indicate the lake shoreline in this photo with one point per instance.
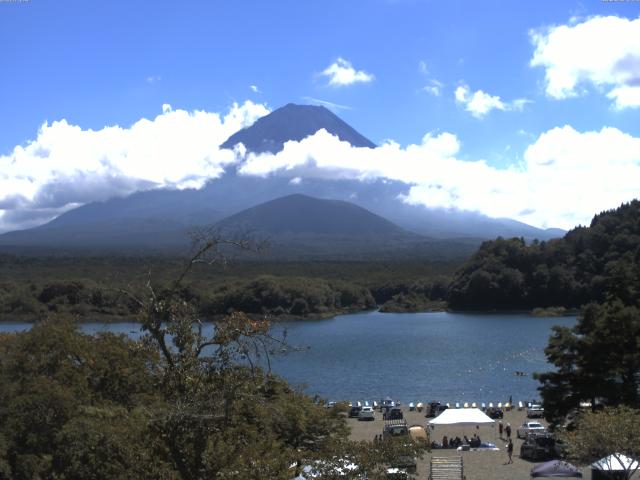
(434, 307)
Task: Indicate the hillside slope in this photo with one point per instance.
(299, 213)
(588, 264)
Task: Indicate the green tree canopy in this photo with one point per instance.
(177, 404)
(589, 264)
(597, 361)
(613, 433)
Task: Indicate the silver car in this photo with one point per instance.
(535, 411)
(530, 427)
(366, 414)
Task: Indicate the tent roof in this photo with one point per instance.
(462, 416)
(615, 462)
(556, 468)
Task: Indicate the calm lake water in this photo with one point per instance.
(409, 356)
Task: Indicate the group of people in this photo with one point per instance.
(506, 430)
(473, 442)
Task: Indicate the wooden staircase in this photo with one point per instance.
(446, 468)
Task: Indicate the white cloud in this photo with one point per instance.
(626, 96)
(519, 103)
(480, 103)
(434, 87)
(565, 177)
(254, 89)
(153, 79)
(342, 73)
(602, 51)
(66, 165)
(558, 184)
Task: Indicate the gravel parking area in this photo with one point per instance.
(478, 465)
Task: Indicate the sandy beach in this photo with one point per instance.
(478, 465)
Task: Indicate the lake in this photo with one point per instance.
(449, 357)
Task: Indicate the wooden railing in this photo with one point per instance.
(446, 468)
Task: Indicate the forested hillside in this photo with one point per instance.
(91, 287)
(589, 264)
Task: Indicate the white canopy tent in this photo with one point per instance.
(616, 462)
(463, 417)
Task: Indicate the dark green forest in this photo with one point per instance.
(597, 361)
(91, 287)
(590, 264)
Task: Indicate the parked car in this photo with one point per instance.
(430, 410)
(494, 412)
(354, 412)
(405, 462)
(336, 468)
(366, 413)
(435, 408)
(541, 446)
(535, 411)
(530, 427)
(387, 403)
(397, 474)
(393, 414)
(395, 428)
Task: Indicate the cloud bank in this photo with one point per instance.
(565, 177)
(66, 166)
(600, 51)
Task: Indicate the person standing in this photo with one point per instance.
(500, 428)
(507, 430)
(510, 450)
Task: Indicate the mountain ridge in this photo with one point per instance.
(299, 213)
(161, 217)
(293, 122)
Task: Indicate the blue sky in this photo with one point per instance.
(97, 64)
